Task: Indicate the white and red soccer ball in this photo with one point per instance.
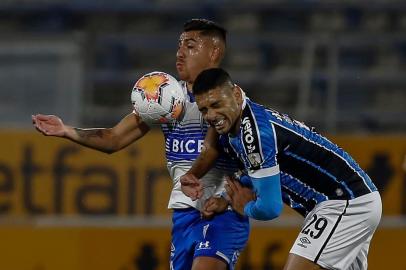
(158, 97)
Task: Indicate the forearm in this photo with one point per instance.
(204, 162)
(109, 140)
(100, 139)
(268, 204)
(208, 155)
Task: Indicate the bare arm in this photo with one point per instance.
(191, 185)
(208, 156)
(108, 140)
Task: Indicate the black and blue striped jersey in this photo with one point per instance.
(312, 168)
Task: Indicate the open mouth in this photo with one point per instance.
(219, 123)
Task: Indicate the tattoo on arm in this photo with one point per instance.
(89, 133)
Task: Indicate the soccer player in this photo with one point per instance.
(196, 243)
(288, 161)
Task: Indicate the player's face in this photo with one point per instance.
(194, 55)
(221, 108)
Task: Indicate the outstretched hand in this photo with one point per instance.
(239, 195)
(49, 125)
(191, 186)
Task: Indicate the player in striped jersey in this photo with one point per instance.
(290, 162)
(196, 243)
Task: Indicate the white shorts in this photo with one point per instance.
(336, 233)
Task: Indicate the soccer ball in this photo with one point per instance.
(158, 97)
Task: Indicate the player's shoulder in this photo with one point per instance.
(257, 126)
(256, 116)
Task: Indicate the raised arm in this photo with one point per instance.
(191, 184)
(108, 140)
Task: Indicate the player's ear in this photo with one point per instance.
(218, 50)
(237, 93)
(216, 55)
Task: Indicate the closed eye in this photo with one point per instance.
(215, 104)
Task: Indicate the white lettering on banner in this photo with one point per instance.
(189, 146)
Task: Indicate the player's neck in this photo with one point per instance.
(189, 87)
(235, 129)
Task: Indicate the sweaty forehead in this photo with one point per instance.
(193, 36)
(212, 96)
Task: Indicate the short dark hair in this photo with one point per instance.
(206, 27)
(209, 79)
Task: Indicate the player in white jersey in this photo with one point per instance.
(183, 142)
(196, 243)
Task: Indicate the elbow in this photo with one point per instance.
(112, 149)
(272, 212)
(109, 151)
(277, 211)
(113, 146)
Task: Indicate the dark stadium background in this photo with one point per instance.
(337, 65)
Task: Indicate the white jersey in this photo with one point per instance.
(183, 143)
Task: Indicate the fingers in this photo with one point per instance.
(239, 195)
(43, 117)
(191, 192)
(189, 180)
(228, 191)
(237, 185)
(37, 124)
(191, 186)
(208, 209)
(210, 205)
(34, 120)
(199, 194)
(231, 187)
(214, 205)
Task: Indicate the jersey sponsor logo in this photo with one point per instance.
(251, 139)
(255, 159)
(304, 241)
(204, 245)
(248, 134)
(186, 146)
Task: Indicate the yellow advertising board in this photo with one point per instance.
(27, 248)
(46, 176)
(52, 178)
